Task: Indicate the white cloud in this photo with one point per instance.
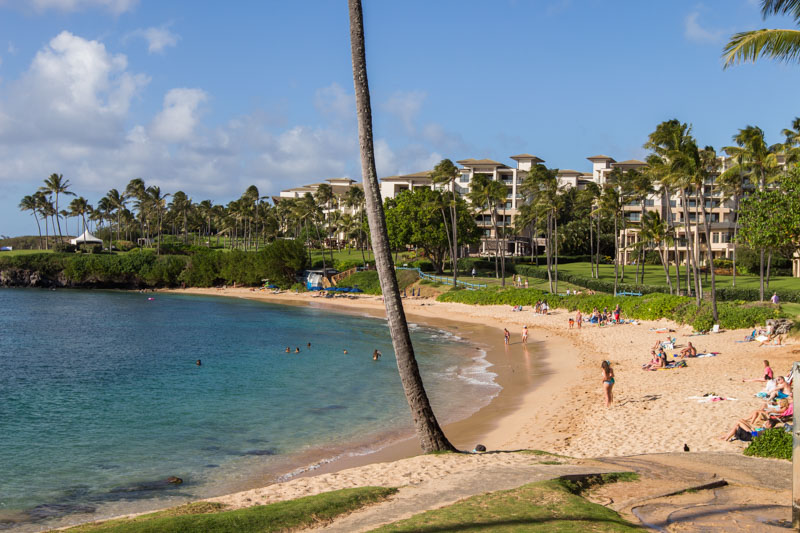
(158, 38)
(73, 88)
(116, 7)
(697, 33)
(177, 120)
(405, 105)
(71, 112)
(335, 102)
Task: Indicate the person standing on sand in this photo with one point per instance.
(579, 318)
(507, 336)
(608, 382)
(524, 334)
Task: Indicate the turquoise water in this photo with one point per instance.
(101, 399)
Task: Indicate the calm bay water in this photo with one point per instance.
(101, 399)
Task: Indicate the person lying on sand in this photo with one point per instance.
(744, 431)
(768, 375)
(689, 351)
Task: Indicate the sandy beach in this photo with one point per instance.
(552, 398)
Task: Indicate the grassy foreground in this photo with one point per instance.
(546, 506)
(211, 518)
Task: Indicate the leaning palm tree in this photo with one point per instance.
(783, 45)
(28, 203)
(430, 434)
(656, 232)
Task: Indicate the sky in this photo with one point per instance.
(210, 97)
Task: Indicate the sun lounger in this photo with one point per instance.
(750, 338)
(674, 364)
(715, 329)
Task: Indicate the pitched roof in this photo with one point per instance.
(416, 175)
(568, 171)
(630, 162)
(475, 162)
(527, 156)
(600, 158)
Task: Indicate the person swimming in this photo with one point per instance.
(345, 352)
(288, 350)
(297, 350)
(376, 355)
(199, 363)
(309, 345)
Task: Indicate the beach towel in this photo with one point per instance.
(710, 399)
(674, 364)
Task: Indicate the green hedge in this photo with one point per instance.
(725, 294)
(649, 307)
(279, 262)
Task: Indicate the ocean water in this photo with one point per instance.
(101, 399)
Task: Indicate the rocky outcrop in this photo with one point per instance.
(15, 277)
(780, 326)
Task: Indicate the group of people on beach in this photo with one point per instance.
(597, 317)
(507, 335)
(777, 409)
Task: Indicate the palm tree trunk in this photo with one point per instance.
(664, 261)
(597, 248)
(761, 277)
(503, 249)
(39, 227)
(616, 255)
(550, 250)
(735, 234)
(555, 238)
(430, 434)
(454, 211)
(769, 269)
(710, 258)
(591, 243)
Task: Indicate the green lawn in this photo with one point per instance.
(654, 275)
(24, 252)
(791, 309)
(547, 506)
(204, 517)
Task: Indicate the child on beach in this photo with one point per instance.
(608, 382)
(571, 322)
(506, 335)
(524, 334)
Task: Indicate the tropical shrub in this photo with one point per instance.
(775, 442)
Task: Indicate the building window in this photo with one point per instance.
(463, 178)
(649, 202)
(715, 238)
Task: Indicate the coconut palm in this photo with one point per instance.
(158, 202)
(642, 187)
(430, 434)
(117, 201)
(707, 166)
(445, 173)
(325, 199)
(79, 207)
(611, 205)
(46, 209)
(658, 233)
(28, 203)
(56, 184)
(783, 45)
(354, 199)
(485, 194)
(673, 147)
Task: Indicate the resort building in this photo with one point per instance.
(688, 223)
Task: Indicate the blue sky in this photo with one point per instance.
(209, 97)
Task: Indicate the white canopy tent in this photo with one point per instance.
(86, 238)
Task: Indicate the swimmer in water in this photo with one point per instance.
(309, 345)
(199, 363)
(376, 355)
(288, 350)
(345, 352)
(297, 350)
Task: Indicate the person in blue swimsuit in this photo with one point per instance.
(608, 382)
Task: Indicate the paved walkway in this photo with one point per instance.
(757, 496)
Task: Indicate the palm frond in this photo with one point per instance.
(783, 45)
(781, 7)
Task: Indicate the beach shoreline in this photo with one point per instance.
(552, 395)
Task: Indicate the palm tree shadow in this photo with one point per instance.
(581, 523)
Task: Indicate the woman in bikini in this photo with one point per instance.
(608, 382)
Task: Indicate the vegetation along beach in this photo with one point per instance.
(258, 293)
